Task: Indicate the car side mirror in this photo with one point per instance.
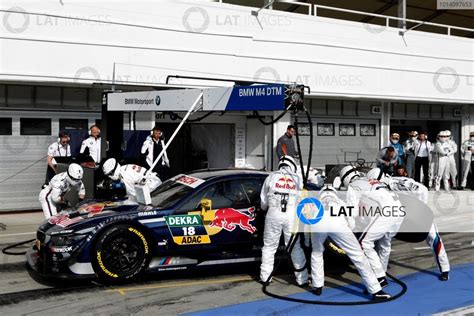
(206, 207)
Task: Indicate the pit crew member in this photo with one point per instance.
(364, 193)
(60, 148)
(337, 228)
(52, 196)
(401, 183)
(467, 151)
(130, 175)
(91, 146)
(278, 195)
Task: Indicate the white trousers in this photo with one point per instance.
(277, 223)
(437, 247)
(381, 230)
(466, 168)
(348, 242)
(442, 172)
(49, 207)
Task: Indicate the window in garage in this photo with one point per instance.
(5, 125)
(20, 96)
(35, 126)
(73, 124)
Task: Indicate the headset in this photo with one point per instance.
(62, 135)
(90, 129)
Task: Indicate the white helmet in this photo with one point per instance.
(74, 173)
(348, 174)
(376, 174)
(111, 169)
(287, 161)
(444, 135)
(328, 193)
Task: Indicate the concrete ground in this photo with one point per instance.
(22, 292)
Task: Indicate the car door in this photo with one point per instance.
(232, 219)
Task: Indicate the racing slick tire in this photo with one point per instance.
(121, 253)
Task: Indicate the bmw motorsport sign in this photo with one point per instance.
(271, 97)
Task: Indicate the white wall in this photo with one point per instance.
(78, 42)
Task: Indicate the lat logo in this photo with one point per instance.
(285, 183)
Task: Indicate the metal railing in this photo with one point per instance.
(313, 9)
(388, 18)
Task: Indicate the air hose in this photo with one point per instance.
(288, 249)
(5, 250)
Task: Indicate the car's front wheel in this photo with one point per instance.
(120, 254)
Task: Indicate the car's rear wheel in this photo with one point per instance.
(121, 253)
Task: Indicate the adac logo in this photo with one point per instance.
(315, 207)
(157, 100)
(285, 183)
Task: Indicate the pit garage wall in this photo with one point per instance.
(79, 41)
(23, 159)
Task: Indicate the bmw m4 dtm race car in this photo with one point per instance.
(200, 219)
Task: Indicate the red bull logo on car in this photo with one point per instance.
(285, 183)
(229, 219)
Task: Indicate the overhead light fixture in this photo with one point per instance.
(255, 13)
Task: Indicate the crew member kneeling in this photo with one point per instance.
(53, 194)
(130, 175)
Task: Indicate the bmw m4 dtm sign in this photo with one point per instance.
(271, 97)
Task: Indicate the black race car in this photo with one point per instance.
(200, 219)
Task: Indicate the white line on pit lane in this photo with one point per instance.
(18, 234)
(420, 248)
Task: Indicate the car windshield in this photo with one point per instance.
(170, 192)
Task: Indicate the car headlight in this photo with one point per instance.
(66, 240)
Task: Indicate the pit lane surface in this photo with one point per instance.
(21, 292)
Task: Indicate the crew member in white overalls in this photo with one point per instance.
(52, 196)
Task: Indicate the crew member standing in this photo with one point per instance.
(467, 150)
(91, 146)
(279, 194)
(151, 148)
(286, 144)
(409, 146)
(60, 148)
(422, 149)
(444, 150)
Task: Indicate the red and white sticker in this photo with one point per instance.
(189, 181)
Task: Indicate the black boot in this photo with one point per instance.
(381, 296)
(317, 290)
(444, 276)
(383, 282)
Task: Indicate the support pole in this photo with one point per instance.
(191, 110)
(402, 13)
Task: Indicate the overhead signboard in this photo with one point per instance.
(240, 98)
(164, 100)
